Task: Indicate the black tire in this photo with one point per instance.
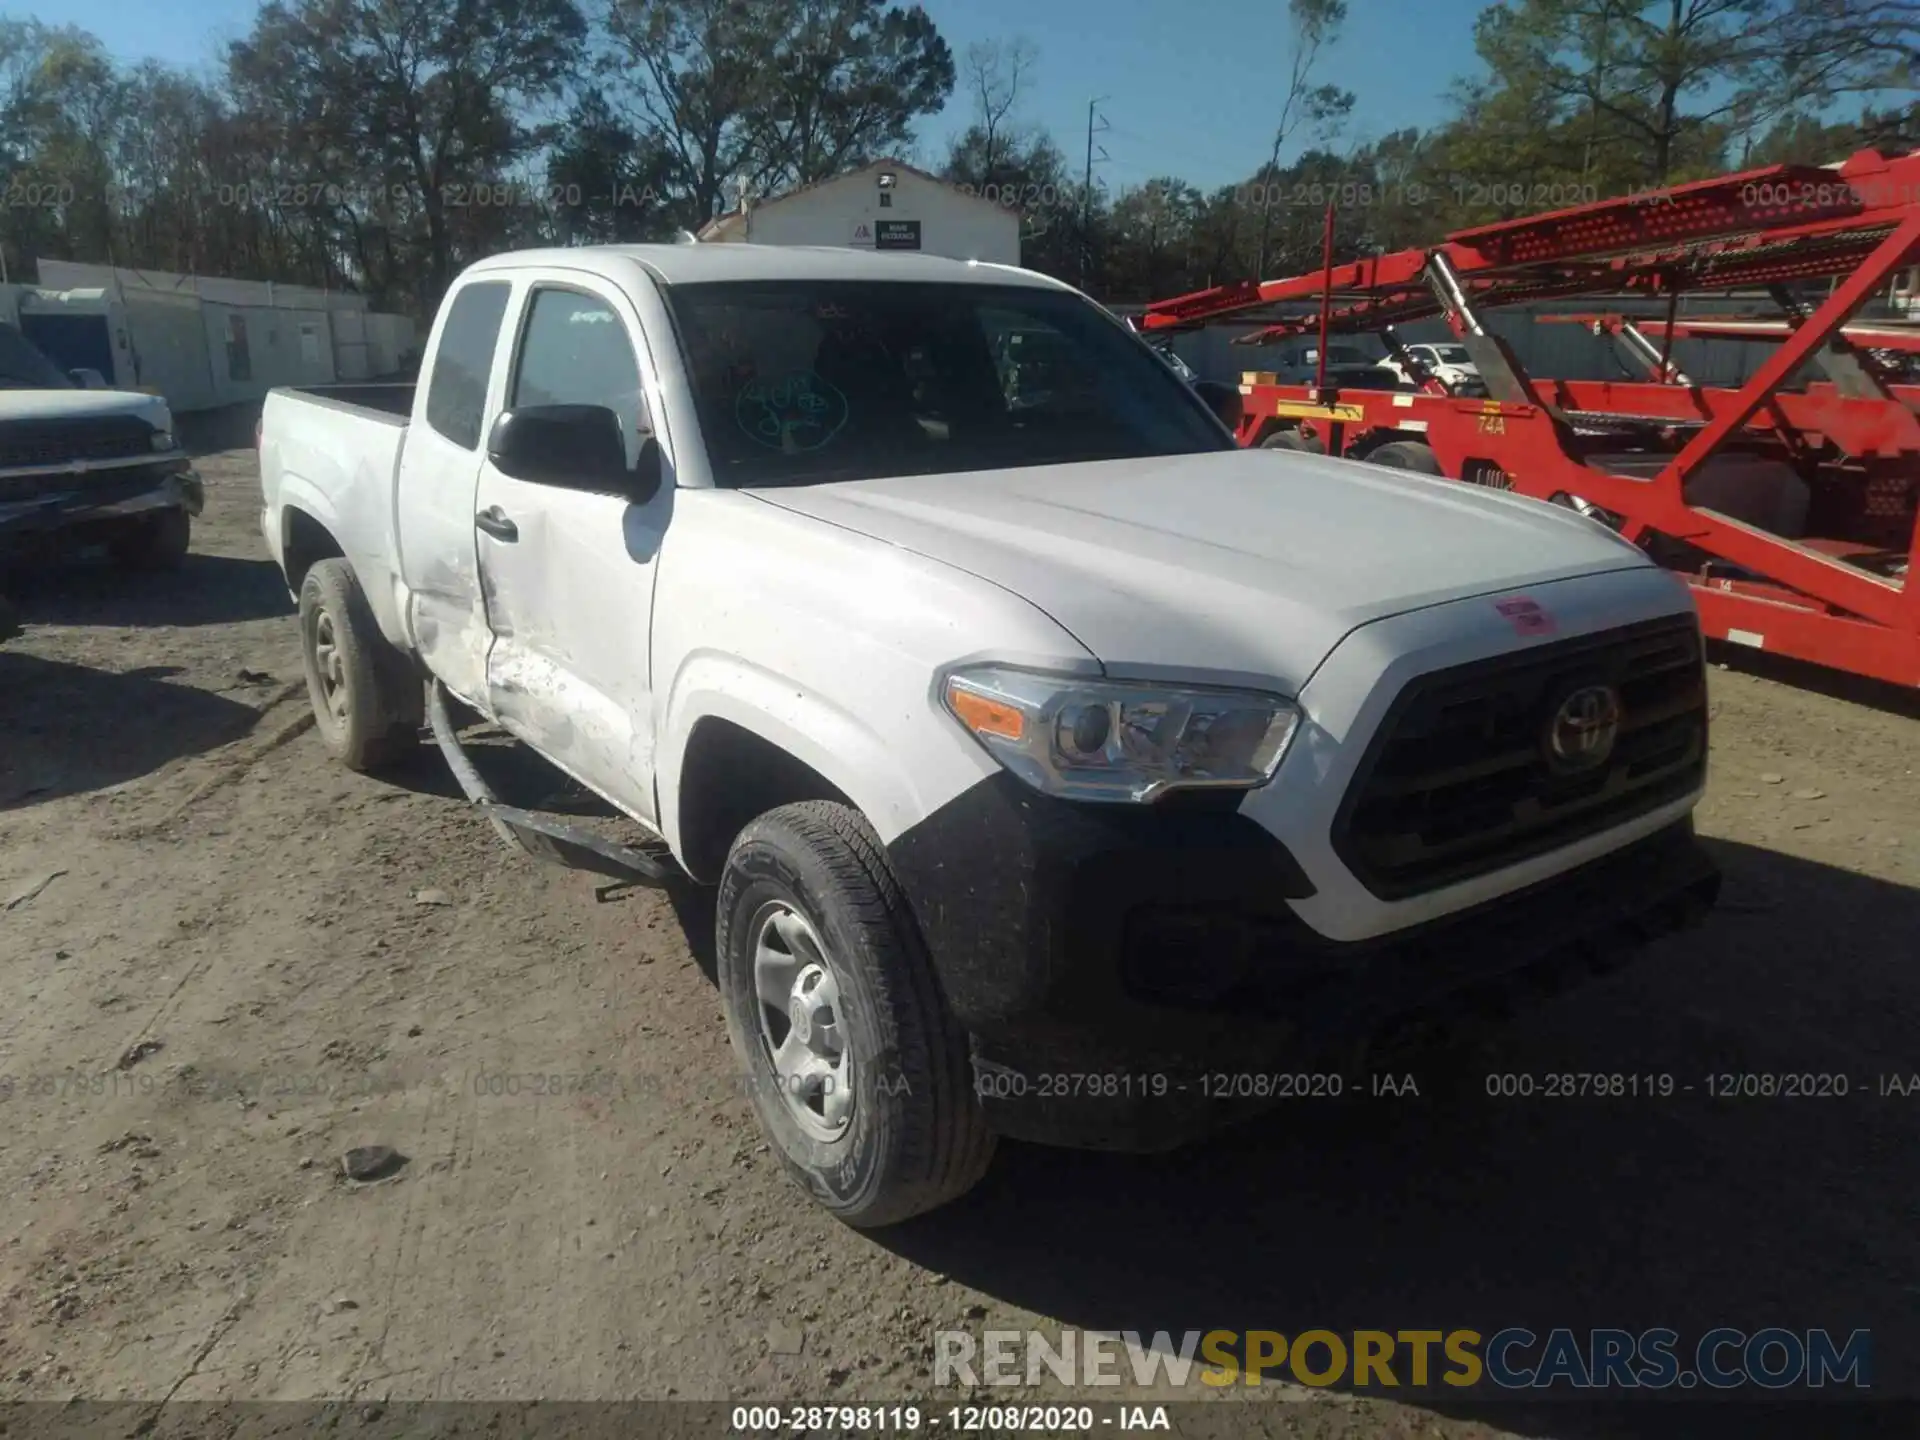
(1408, 455)
(915, 1138)
(1292, 440)
(157, 541)
(366, 707)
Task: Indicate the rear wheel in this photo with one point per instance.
(155, 541)
(366, 708)
(1407, 455)
(857, 1072)
(1292, 440)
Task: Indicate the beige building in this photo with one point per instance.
(883, 206)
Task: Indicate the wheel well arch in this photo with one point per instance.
(728, 776)
(304, 543)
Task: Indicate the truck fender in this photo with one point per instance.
(841, 747)
(299, 493)
(386, 600)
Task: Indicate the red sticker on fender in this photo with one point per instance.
(1526, 616)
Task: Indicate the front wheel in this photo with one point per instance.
(856, 1070)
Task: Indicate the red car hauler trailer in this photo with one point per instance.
(1790, 507)
(1894, 347)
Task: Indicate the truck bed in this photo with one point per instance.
(332, 453)
(384, 400)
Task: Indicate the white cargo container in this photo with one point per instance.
(202, 341)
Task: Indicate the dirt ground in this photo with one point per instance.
(247, 961)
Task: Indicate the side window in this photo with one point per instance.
(457, 391)
(575, 351)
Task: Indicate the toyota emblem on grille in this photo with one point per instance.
(1583, 729)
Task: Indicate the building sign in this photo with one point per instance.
(862, 232)
(896, 235)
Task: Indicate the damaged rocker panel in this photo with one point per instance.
(542, 836)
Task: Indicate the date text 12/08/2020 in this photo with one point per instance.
(963, 1419)
(1514, 195)
(998, 1082)
(1721, 1085)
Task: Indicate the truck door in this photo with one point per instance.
(439, 470)
(568, 576)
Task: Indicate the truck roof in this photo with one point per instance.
(736, 260)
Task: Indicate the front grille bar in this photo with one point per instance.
(1457, 782)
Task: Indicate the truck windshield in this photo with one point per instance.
(24, 368)
(803, 382)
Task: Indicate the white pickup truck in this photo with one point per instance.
(1064, 771)
(82, 464)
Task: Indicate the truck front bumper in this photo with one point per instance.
(57, 504)
(1134, 979)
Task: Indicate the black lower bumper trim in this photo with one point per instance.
(1110, 987)
(101, 498)
(1013, 888)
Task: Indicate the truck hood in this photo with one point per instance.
(1251, 564)
(82, 405)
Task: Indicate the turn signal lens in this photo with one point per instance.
(983, 714)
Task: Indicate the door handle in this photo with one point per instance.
(494, 521)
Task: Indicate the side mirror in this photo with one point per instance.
(1223, 399)
(573, 447)
(88, 379)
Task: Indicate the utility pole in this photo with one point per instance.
(1086, 191)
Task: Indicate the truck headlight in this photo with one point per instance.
(1119, 741)
(163, 439)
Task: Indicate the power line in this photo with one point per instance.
(1086, 189)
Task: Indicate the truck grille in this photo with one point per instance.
(25, 443)
(1463, 777)
(101, 487)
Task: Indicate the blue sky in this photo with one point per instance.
(1193, 87)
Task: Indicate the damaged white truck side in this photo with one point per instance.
(1062, 771)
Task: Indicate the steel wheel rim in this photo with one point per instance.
(329, 666)
(801, 1023)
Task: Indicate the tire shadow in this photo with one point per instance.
(693, 909)
(1452, 1208)
(68, 729)
(205, 590)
